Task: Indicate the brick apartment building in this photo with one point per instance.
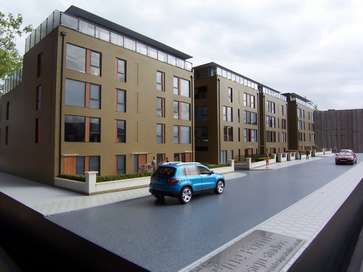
(339, 129)
(94, 95)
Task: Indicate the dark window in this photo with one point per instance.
(121, 100)
(39, 64)
(74, 128)
(160, 133)
(201, 93)
(80, 165)
(94, 163)
(74, 93)
(165, 172)
(7, 110)
(38, 97)
(160, 81)
(227, 114)
(95, 63)
(121, 70)
(201, 113)
(76, 58)
(121, 131)
(160, 107)
(95, 96)
(36, 132)
(203, 170)
(228, 134)
(230, 95)
(6, 135)
(121, 164)
(95, 130)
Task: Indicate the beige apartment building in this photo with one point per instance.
(226, 114)
(94, 95)
(301, 134)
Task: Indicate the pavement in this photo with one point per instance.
(170, 236)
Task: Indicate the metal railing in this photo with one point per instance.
(11, 81)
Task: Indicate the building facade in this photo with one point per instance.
(94, 95)
(301, 136)
(339, 129)
(273, 121)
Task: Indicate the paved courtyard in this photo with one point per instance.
(169, 237)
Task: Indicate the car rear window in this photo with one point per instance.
(165, 172)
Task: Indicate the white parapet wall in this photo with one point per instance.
(91, 186)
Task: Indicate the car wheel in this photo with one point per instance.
(185, 195)
(220, 187)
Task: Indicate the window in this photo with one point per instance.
(95, 96)
(181, 87)
(94, 163)
(102, 34)
(227, 114)
(270, 121)
(38, 97)
(250, 118)
(95, 63)
(282, 110)
(160, 81)
(181, 135)
(228, 134)
(129, 44)
(176, 109)
(86, 28)
(117, 39)
(39, 64)
(249, 100)
(74, 128)
(160, 133)
(184, 88)
(75, 58)
(120, 100)
(36, 131)
(203, 171)
(74, 93)
(201, 113)
(250, 135)
(160, 107)
(94, 130)
(175, 86)
(80, 165)
(270, 136)
(181, 110)
(7, 110)
(271, 107)
(230, 95)
(184, 111)
(121, 164)
(283, 123)
(6, 135)
(121, 70)
(184, 134)
(175, 134)
(201, 134)
(121, 131)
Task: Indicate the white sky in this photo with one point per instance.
(310, 47)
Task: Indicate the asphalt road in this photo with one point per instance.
(170, 236)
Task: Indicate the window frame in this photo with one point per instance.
(121, 76)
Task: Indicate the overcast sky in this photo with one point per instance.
(313, 47)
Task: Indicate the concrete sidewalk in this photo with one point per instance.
(49, 200)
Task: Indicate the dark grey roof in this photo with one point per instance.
(297, 96)
(213, 64)
(80, 13)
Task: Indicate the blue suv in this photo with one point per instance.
(182, 180)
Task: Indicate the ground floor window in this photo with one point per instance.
(78, 165)
(160, 158)
(121, 164)
(183, 157)
(140, 163)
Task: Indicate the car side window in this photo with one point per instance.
(203, 171)
(191, 171)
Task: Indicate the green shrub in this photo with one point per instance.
(111, 178)
(211, 165)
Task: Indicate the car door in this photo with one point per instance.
(207, 179)
(192, 174)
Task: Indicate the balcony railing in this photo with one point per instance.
(274, 94)
(59, 18)
(236, 78)
(11, 81)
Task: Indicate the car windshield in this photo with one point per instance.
(165, 172)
